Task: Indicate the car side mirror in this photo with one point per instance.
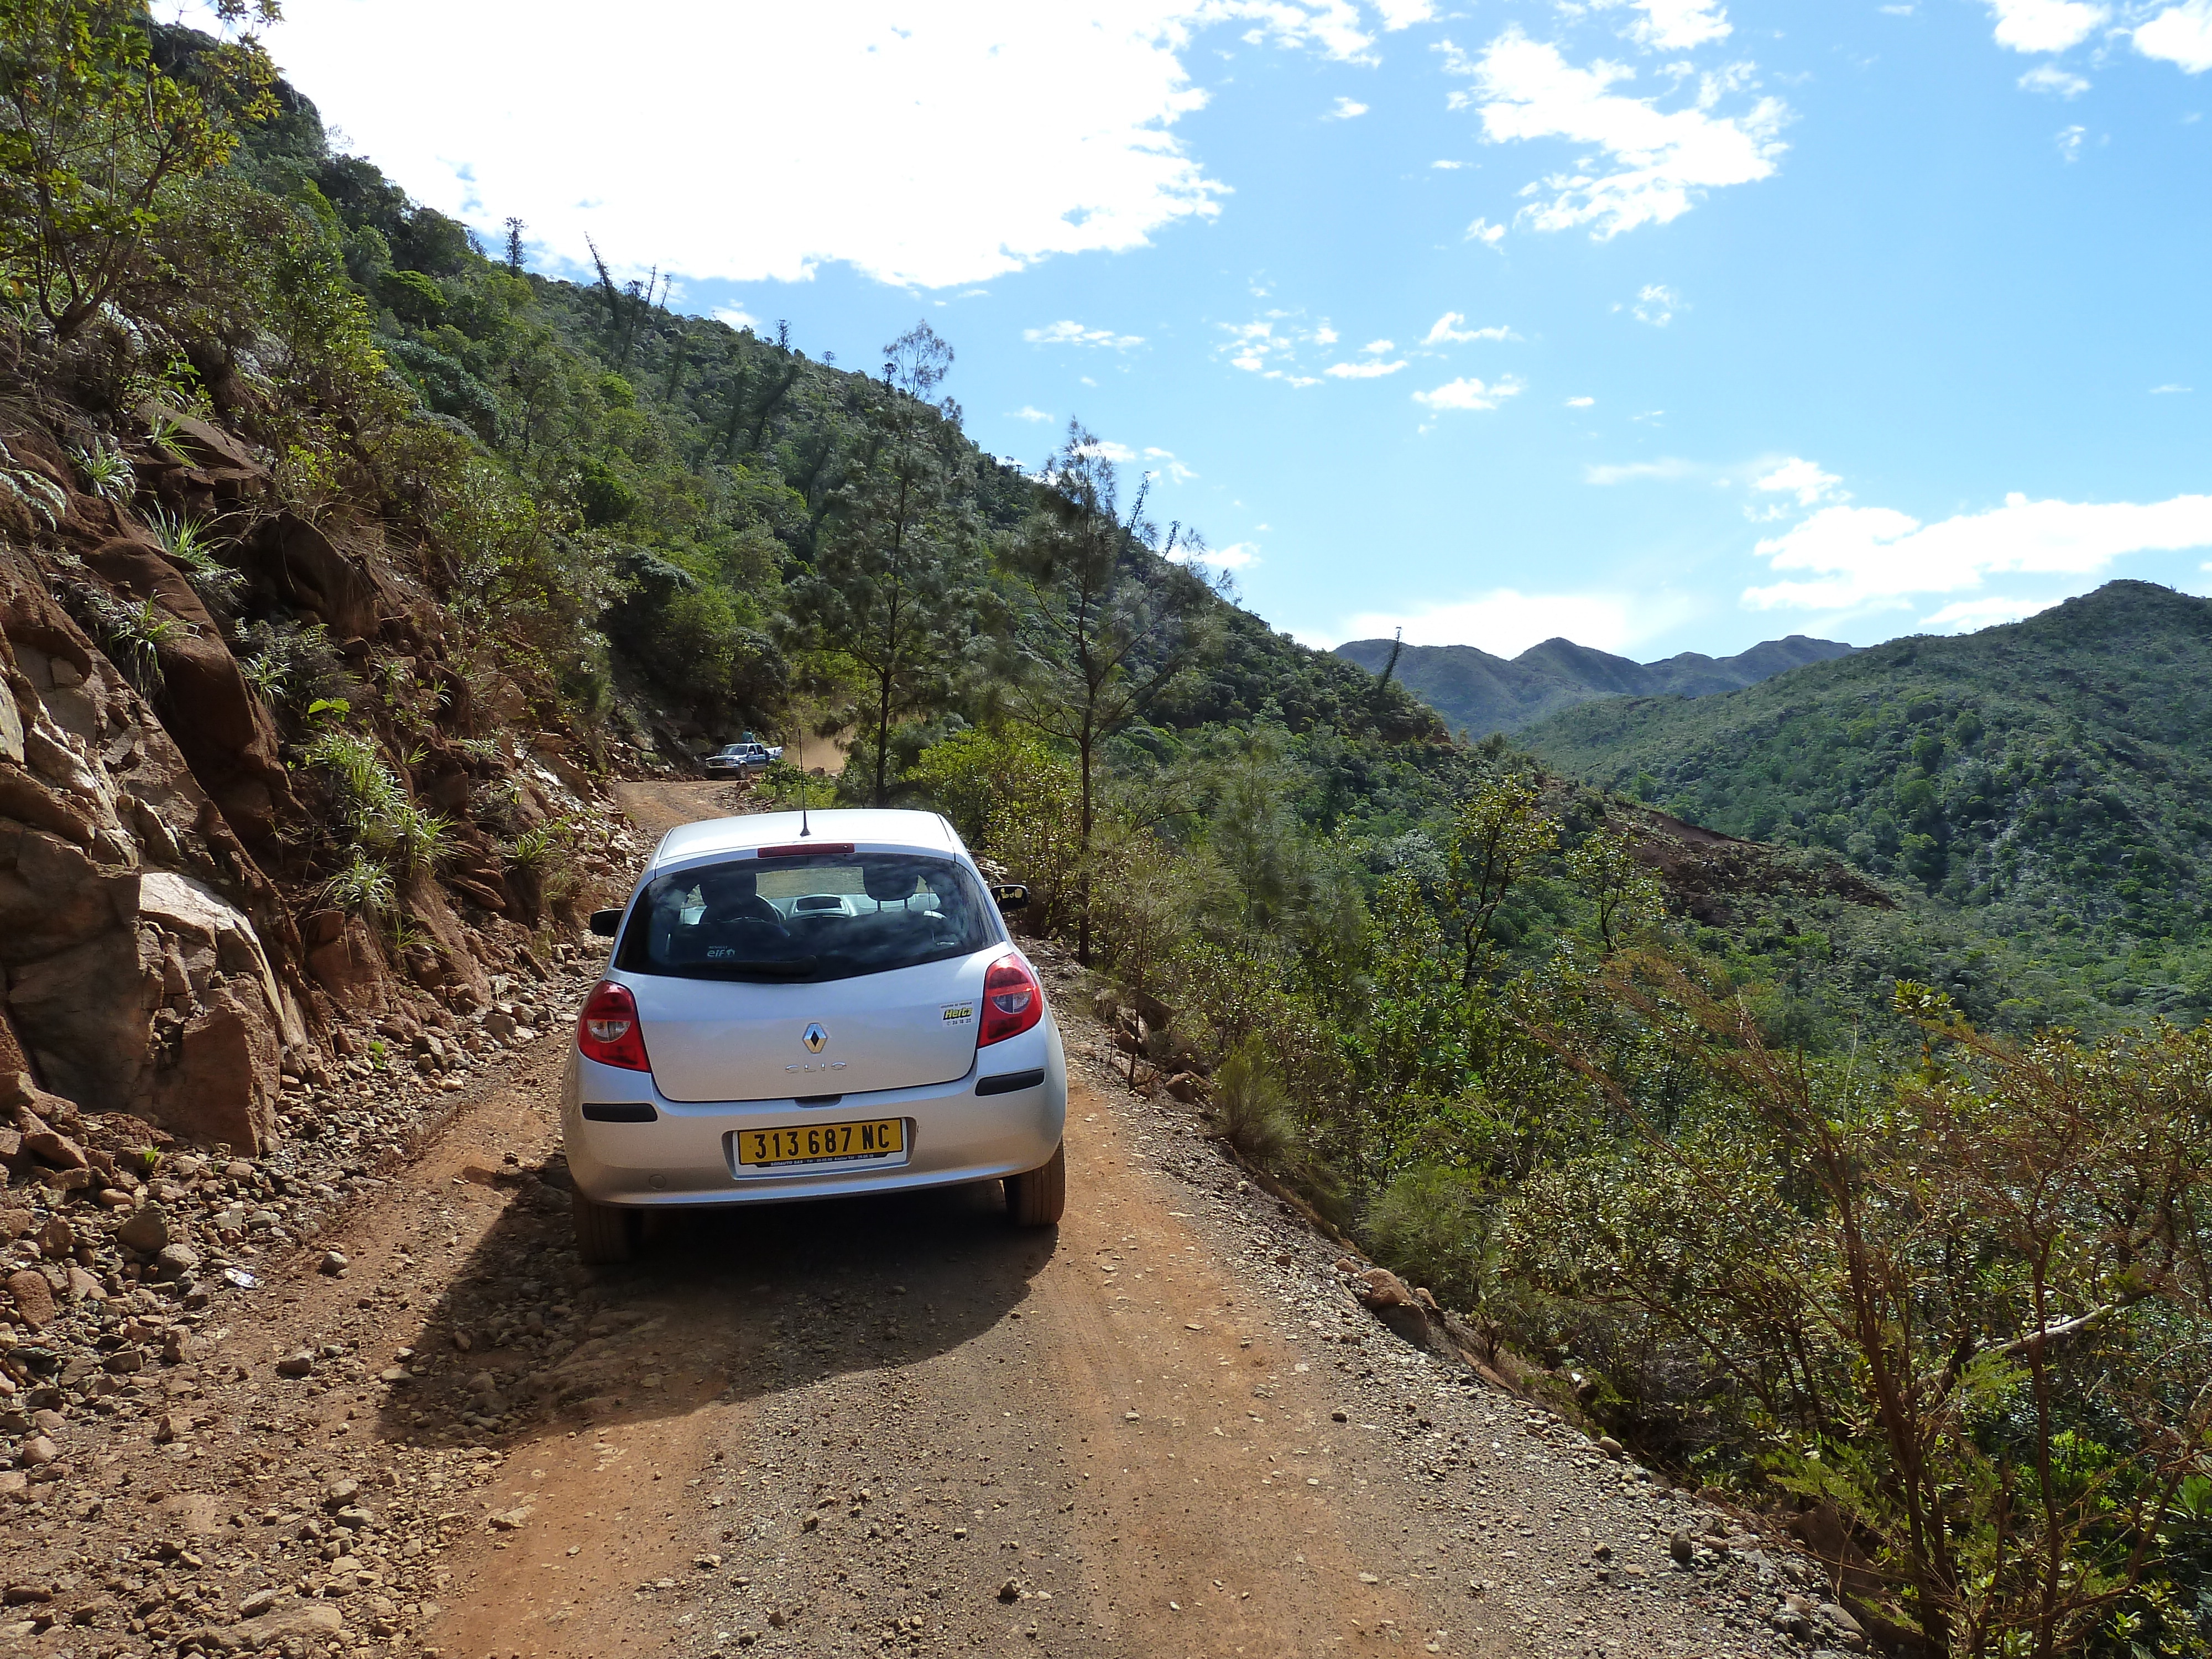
(1012, 896)
(606, 923)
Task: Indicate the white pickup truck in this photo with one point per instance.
(736, 759)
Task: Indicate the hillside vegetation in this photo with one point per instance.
(1478, 694)
(341, 560)
(2049, 779)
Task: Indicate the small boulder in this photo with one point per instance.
(333, 1262)
(146, 1230)
(57, 1238)
(36, 1452)
(33, 1297)
(178, 1261)
(256, 1603)
(1380, 1288)
(296, 1364)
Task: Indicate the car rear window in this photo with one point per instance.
(818, 917)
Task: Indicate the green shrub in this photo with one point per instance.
(412, 297)
(106, 471)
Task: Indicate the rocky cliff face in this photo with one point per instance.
(165, 946)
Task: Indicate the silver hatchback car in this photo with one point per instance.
(808, 1005)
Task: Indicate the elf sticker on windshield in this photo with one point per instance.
(959, 1013)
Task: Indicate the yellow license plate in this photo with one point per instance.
(816, 1143)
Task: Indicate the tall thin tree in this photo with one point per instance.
(889, 587)
(1102, 622)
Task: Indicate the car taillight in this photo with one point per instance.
(1012, 1001)
(608, 1030)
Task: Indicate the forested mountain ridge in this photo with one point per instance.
(2052, 777)
(1478, 693)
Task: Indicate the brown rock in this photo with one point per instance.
(225, 1089)
(57, 1238)
(1380, 1288)
(346, 963)
(33, 1297)
(310, 1620)
(51, 1146)
(13, 1224)
(38, 1451)
(147, 1232)
(83, 1287)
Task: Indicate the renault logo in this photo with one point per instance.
(816, 1039)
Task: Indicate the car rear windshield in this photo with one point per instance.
(822, 916)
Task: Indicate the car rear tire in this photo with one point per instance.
(1039, 1199)
(604, 1233)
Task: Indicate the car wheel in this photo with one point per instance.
(604, 1233)
(1039, 1199)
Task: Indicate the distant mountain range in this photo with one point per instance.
(1482, 694)
(2053, 776)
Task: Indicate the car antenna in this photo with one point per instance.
(804, 830)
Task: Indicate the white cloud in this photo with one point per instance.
(1655, 304)
(1966, 614)
(1469, 393)
(2068, 140)
(1652, 164)
(2046, 25)
(1175, 470)
(1580, 403)
(1853, 557)
(2049, 77)
(1679, 24)
(861, 145)
(1377, 348)
(1367, 371)
(1403, 14)
(2180, 34)
(1238, 555)
(1346, 109)
(1107, 450)
(1804, 480)
(1073, 333)
(2168, 389)
(1447, 331)
(1026, 413)
(1484, 232)
(1452, 167)
(1269, 346)
(1506, 622)
(736, 317)
(1638, 471)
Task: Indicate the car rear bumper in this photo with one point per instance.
(683, 1155)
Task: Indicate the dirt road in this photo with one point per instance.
(871, 1425)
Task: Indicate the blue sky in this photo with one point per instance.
(1665, 324)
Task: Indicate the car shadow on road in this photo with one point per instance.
(730, 1304)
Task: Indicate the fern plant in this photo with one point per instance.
(107, 473)
(45, 498)
(190, 547)
(132, 635)
(167, 435)
(364, 888)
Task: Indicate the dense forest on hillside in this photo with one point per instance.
(344, 559)
(2049, 779)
